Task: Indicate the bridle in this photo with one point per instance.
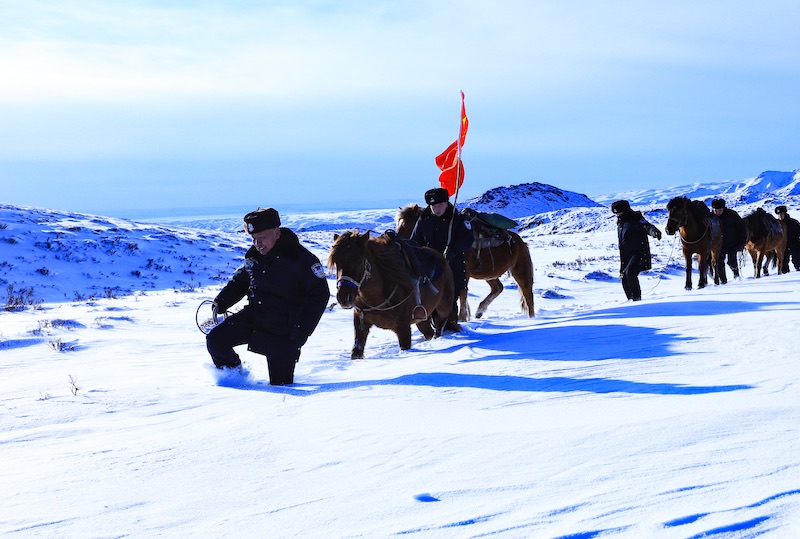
(682, 223)
(344, 280)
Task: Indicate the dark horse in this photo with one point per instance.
(700, 234)
(485, 262)
(766, 239)
(372, 277)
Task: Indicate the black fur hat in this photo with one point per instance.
(781, 209)
(261, 219)
(718, 204)
(620, 206)
(436, 195)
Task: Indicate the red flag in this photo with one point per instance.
(462, 132)
(448, 157)
(452, 176)
(449, 161)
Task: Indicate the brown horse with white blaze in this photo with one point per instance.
(700, 234)
(373, 279)
(485, 262)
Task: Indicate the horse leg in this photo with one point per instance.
(702, 268)
(464, 313)
(496, 287)
(403, 332)
(759, 262)
(688, 284)
(426, 329)
(361, 327)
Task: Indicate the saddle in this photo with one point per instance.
(424, 267)
(775, 228)
(488, 229)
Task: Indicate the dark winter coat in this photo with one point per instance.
(632, 232)
(432, 231)
(734, 234)
(792, 234)
(286, 288)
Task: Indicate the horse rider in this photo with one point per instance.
(443, 229)
(287, 293)
(634, 248)
(734, 237)
(792, 239)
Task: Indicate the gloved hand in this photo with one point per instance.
(657, 234)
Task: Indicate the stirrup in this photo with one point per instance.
(419, 309)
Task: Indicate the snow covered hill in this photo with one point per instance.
(48, 255)
(527, 199)
(768, 188)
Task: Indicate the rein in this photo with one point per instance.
(348, 281)
(385, 305)
(684, 240)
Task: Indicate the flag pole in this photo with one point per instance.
(458, 170)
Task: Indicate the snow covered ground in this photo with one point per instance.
(675, 417)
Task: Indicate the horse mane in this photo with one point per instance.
(700, 209)
(676, 201)
(389, 259)
(385, 256)
(411, 208)
(697, 208)
(758, 223)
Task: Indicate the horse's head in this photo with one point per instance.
(406, 220)
(678, 212)
(348, 256)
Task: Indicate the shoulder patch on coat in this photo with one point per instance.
(318, 270)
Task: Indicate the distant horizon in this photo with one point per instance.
(125, 107)
(224, 211)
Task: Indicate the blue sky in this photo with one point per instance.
(110, 107)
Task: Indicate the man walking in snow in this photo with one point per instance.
(634, 249)
(287, 293)
(734, 236)
(792, 239)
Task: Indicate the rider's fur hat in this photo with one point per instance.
(718, 204)
(620, 206)
(436, 195)
(260, 219)
(781, 209)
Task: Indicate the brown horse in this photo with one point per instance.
(700, 234)
(485, 262)
(766, 240)
(372, 277)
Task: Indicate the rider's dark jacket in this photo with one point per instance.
(286, 288)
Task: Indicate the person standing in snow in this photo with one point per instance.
(443, 229)
(792, 239)
(634, 249)
(287, 293)
(734, 236)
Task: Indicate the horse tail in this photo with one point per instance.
(522, 271)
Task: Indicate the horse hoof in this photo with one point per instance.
(478, 315)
